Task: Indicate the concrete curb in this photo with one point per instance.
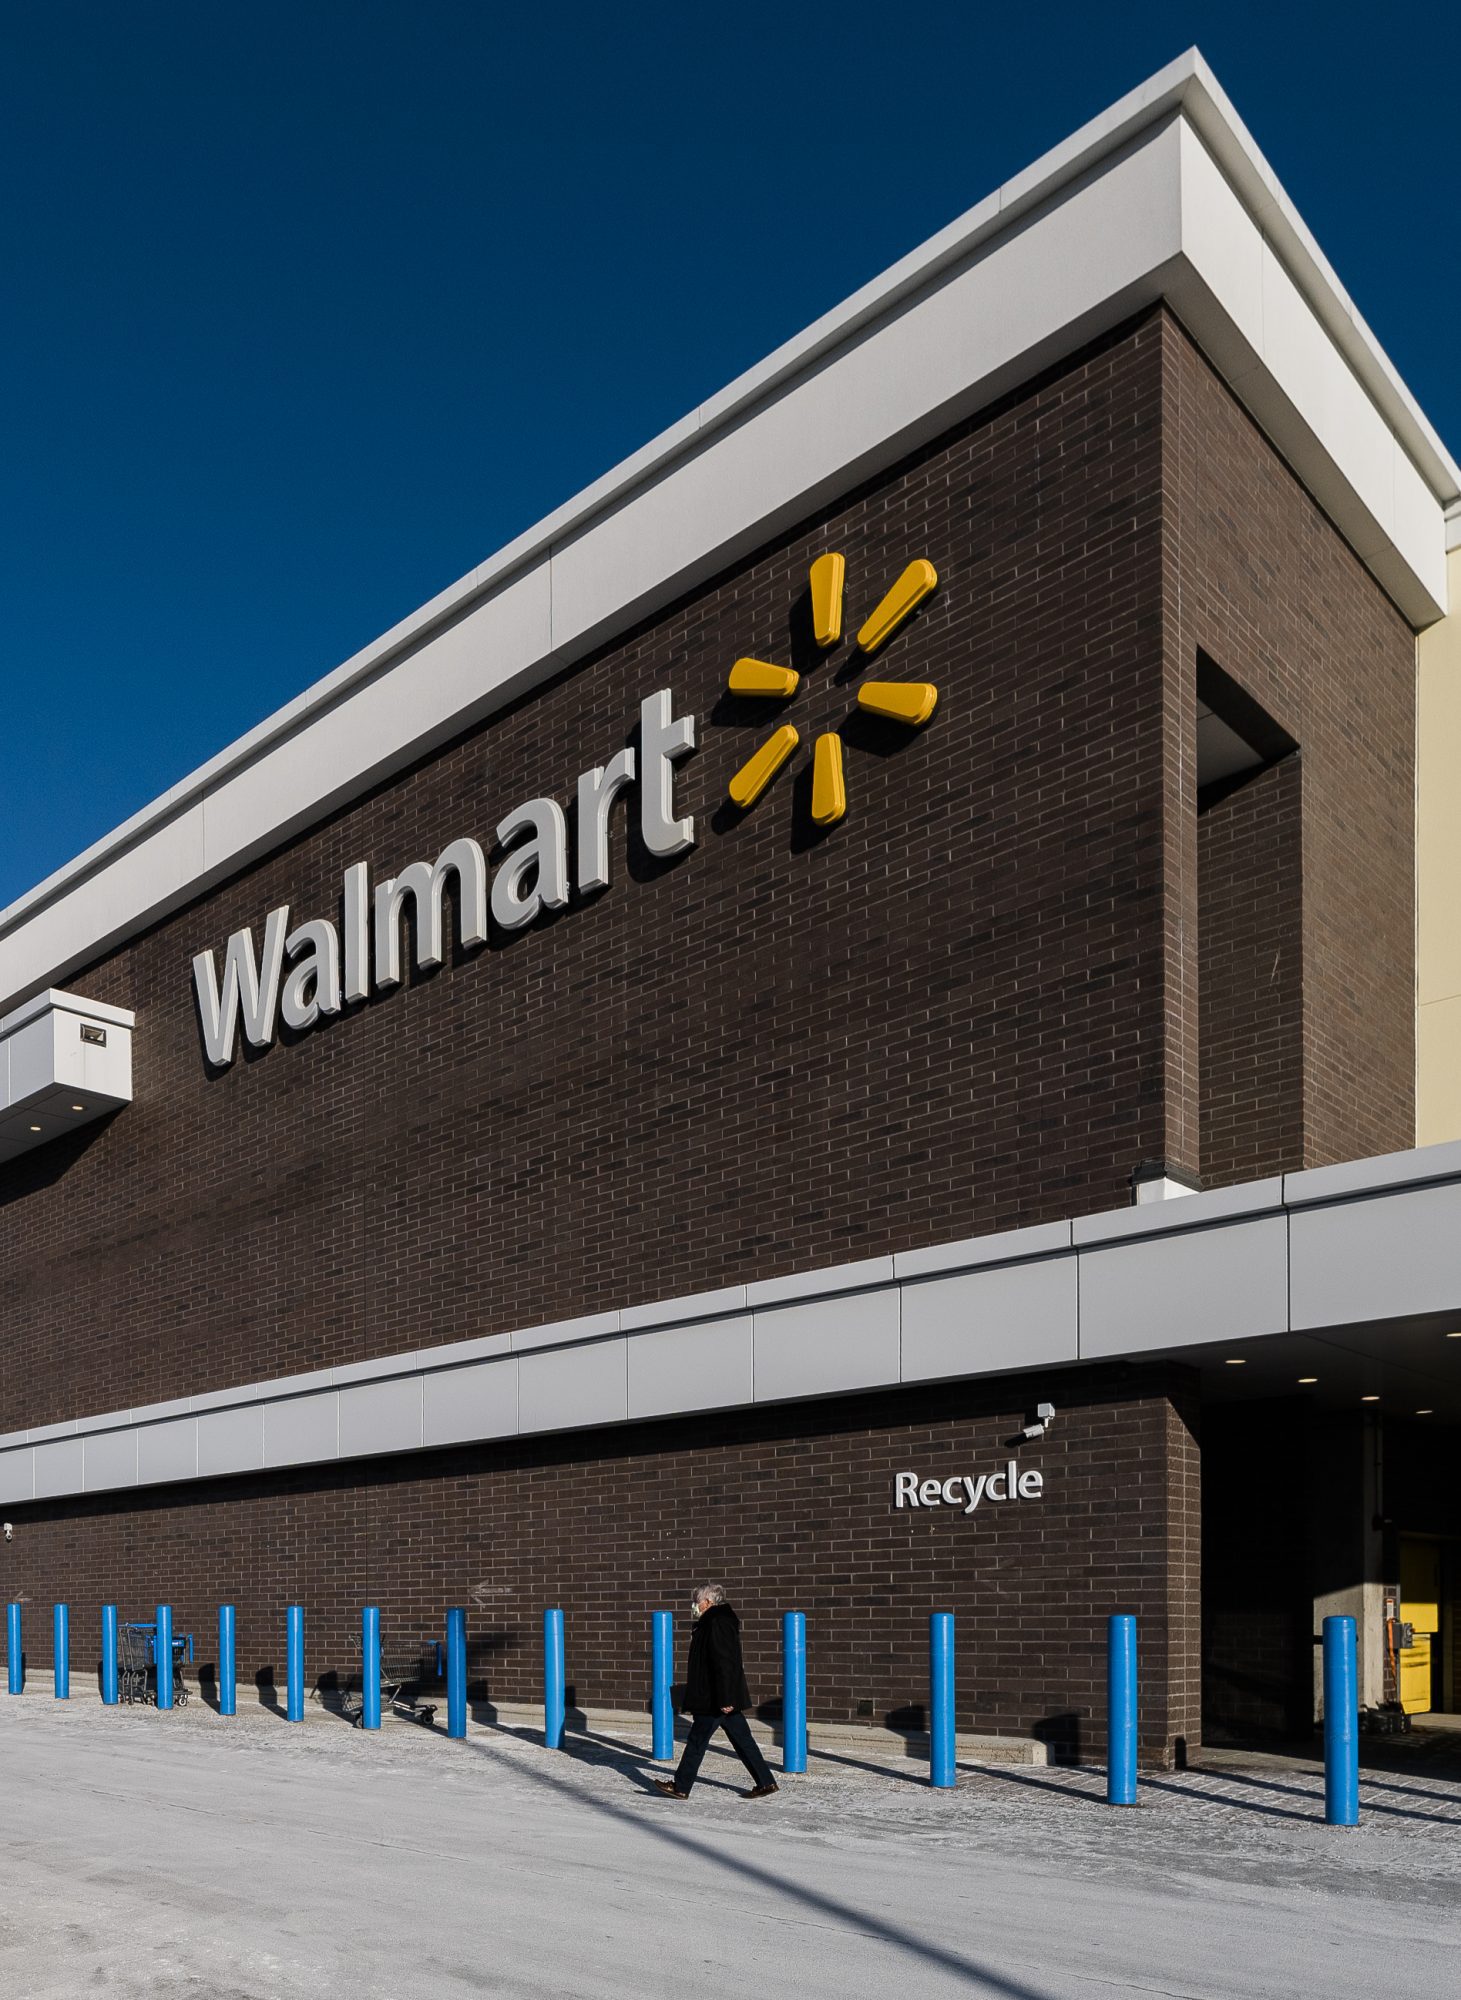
(628, 1727)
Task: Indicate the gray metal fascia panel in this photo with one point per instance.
(570, 1388)
(1384, 1258)
(58, 1468)
(112, 1420)
(374, 1371)
(1007, 1246)
(109, 1460)
(18, 1474)
(381, 1417)
(1381, 1175)
(482, 1347)
(476, 1401)
(1186, 1289)
(706, 1366)
(167, 1451)
(147, 1413)
(677, 1312)
(866, 1272)
(1009, 1316)
(302, 1430)
(265, 1392)
(43, 1433)
(564, 1332)
(231, 1440)
(1187, 1211)
(827, 1347)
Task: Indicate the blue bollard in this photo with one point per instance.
(456, 1673)
(294, 1664)
(553, 1679)
(109, 1655)
(370, 1667)
(61, 1651)
(227, 1661)
(1121, 1710)
(941, 1770)
(662, 1701)
(162, 1650)
(15, 1658)
(793, 1691)
(1341, 1725)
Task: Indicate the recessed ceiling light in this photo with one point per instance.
(78, 1107)
(1425, 1413)
(1237, 1360)
(1369, 1399)
(1453, 1336)
(1308, 1378)
(35, 1128)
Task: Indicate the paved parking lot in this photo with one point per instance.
(254, 1860)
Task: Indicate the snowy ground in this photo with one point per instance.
(247, 1859)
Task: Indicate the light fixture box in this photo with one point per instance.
(48, 1066)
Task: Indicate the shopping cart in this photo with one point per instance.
(137, 1663)
(400, 1671)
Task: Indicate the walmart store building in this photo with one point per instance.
(929, 891)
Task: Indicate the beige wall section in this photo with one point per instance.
(1438, 875)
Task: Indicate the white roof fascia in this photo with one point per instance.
(1163, 196)
(1207, 105)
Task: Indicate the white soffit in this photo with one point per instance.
(1163, 196)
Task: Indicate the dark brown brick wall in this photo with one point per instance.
(1250, 979)
(791, 1509)
(777, 1053)
(1258, 578)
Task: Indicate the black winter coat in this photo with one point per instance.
(715, 1677)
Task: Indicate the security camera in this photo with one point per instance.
(9, 1531)
(1044, 1413)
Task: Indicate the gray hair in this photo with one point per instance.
(714, 1591)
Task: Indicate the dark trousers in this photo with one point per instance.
(742, 1742)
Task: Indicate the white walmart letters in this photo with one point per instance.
(426, 888)
(329, 968)
(245, 985)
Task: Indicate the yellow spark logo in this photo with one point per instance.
(908, 702)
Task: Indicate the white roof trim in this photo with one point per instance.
(1228, 249)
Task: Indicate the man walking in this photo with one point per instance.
(716, 1695)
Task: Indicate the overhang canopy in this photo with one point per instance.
(64, 1061)
(1340, 1283)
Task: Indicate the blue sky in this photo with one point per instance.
(310, 307)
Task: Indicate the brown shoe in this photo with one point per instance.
(671, 1790)
(761, 1791)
